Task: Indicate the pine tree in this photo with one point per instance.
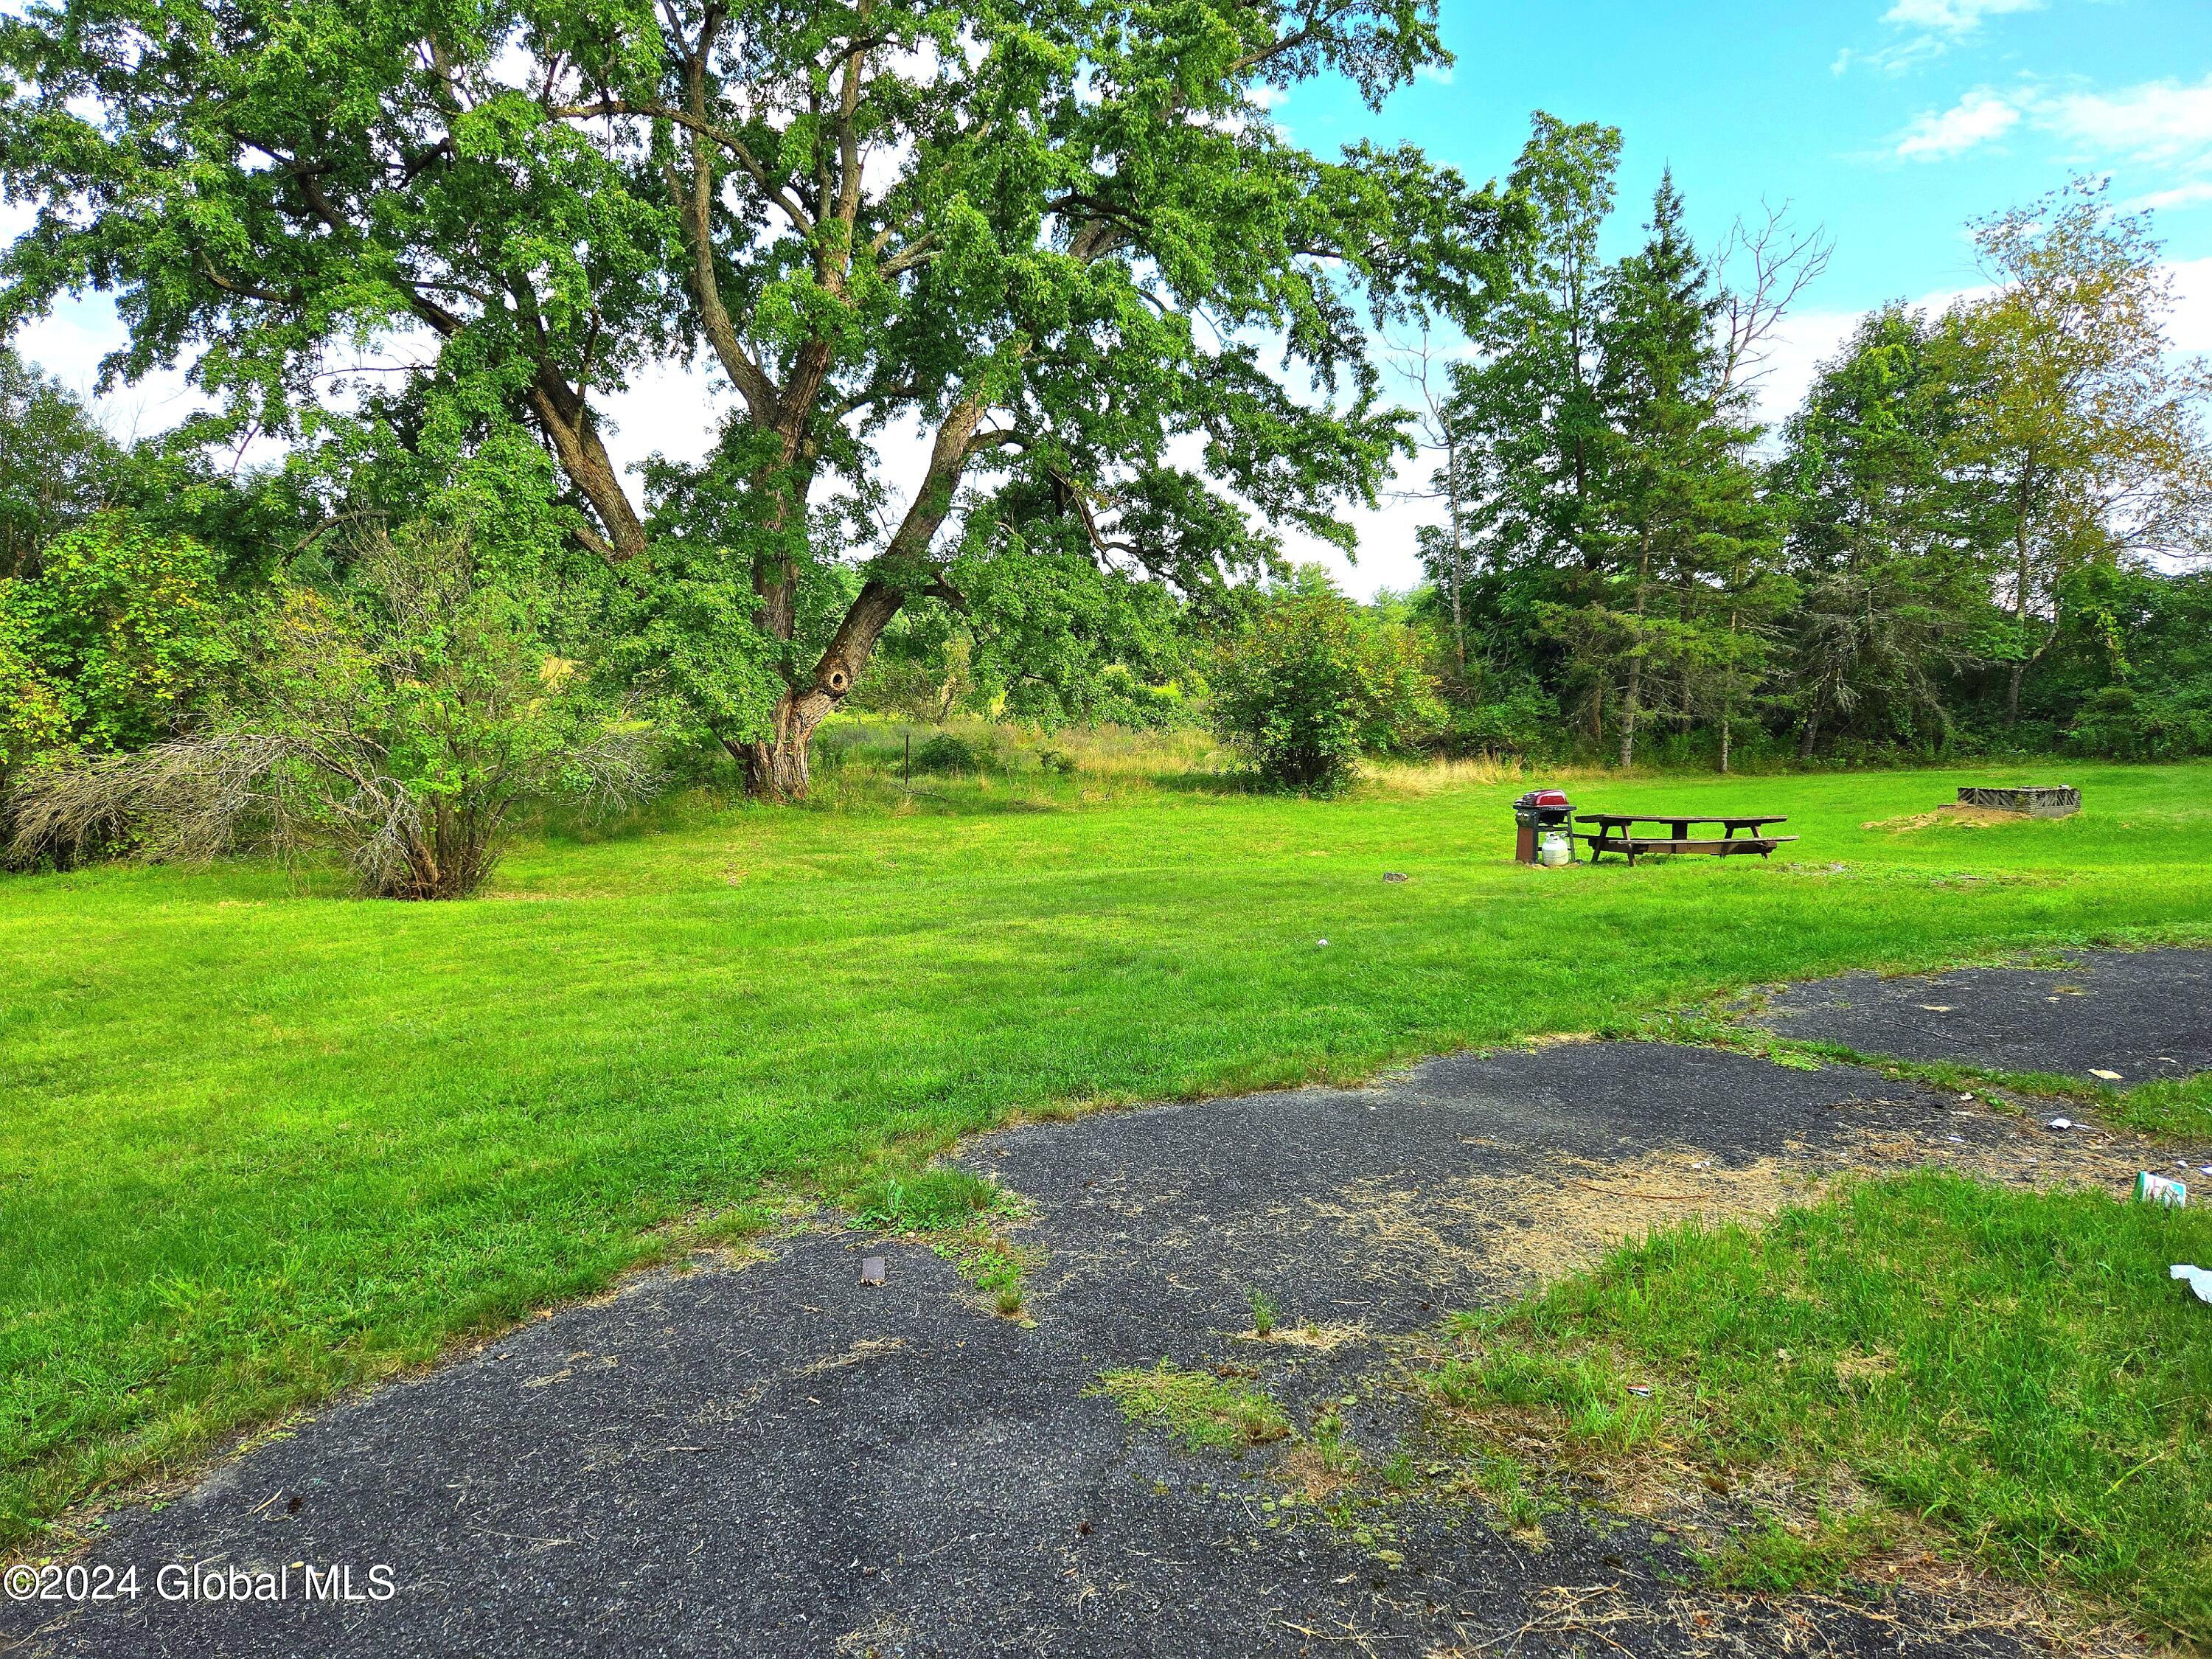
(1680, 534)
(1890, 548)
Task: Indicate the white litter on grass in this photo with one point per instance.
(2159, 1190)
(2199, 1279)
(2109, 1077)
(1321, 941)
(1956, 1139)
(2061, 1124)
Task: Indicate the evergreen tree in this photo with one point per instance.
(1888, 545)
(1521, 432)
(1680, 531)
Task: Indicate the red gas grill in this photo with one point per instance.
(1535, 813)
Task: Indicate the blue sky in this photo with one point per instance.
(1888, 123)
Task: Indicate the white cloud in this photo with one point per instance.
(69, 343)
(2195, 194)
(2160, 121)
(1795, 352)
(1929, 28)
(1952, 17)
(2163, 124)
(1892, 59)
(1981, 117)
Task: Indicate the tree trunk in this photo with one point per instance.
(1728, 695)
(2019, 598)
(1458, 560)
(1630, 706)
(567, 420)
(776, 766)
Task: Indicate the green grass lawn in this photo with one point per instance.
(2016, 1370)
(260, 1142)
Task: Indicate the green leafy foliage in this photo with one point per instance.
(34, 710)
(400, 716)
(945, 753)
(1967, 516)
(120, 637)
(1050, 236)
(1317, 683)
(57, 465)
(1883, 539)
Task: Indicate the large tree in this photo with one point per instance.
(1062, 239)
(57, 465)
(1890, 547)
(1529, 431)
(2075, 416)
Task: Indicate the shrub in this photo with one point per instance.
(1523, 723)
(400, 720)
(35, 711)
(946, 753)
(1316, 683)
(124, 630)
(2125, 723)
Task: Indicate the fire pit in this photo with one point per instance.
(2037, 800)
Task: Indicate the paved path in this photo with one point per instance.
(769, 1458)
(2136, 1015)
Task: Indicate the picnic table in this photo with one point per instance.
(1615, 833)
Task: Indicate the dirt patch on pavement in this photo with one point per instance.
(1534, 1226)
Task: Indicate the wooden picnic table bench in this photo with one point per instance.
(1615, 833)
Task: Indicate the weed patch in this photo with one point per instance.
(2179, 1109)
(925, 1201)
(1202, 1411)
(1777, 1557)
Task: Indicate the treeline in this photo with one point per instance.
(1982, 531)
(1976, 534)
